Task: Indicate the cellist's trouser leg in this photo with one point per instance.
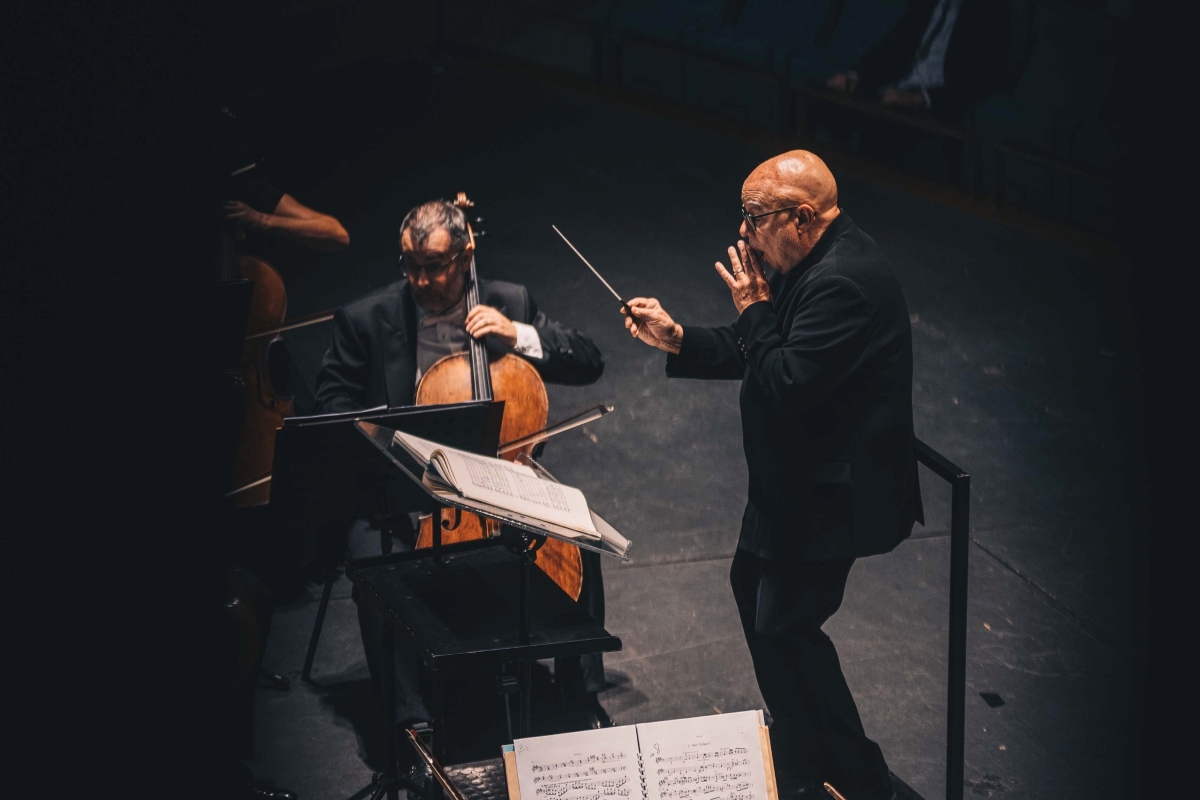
(585, 674)
(410, 700)
(817, 734)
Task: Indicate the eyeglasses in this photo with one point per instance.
(746, 215)
(432, 271)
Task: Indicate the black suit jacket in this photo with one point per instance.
(372, 358)
(976, 58)
(826, 371)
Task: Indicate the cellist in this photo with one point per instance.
(384, 342)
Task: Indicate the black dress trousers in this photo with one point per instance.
(816, 733)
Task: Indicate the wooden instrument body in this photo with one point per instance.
(476, 375)
(526, 410)
(265, 407)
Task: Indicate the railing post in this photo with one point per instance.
(956, 683)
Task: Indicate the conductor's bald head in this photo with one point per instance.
(788, 203)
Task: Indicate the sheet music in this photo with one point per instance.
(421, 449)
(511, 486)
(517, 487)
(706, 758)
(585, 765)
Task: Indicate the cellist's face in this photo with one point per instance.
(437, 272)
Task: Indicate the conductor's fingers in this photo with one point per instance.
(735, 260)
(750, 259)
(725, 276)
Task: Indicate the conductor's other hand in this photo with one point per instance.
(745, 279)
(653, 325)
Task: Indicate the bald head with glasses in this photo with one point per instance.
(788, 202)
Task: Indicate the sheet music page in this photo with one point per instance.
(421, 449)
(515, 487)
(518, 488)
(707, 758)
(585, 765)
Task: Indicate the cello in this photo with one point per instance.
(474, 375)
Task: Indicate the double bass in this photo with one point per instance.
(266, 404)
(475, 375)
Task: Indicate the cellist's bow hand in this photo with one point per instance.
(648, 321)
(486, 321)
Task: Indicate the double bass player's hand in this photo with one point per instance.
(652, 324)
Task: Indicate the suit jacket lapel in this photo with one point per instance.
(399, 352)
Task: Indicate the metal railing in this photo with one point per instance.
(956, 679)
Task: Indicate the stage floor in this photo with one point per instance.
(1024, 375)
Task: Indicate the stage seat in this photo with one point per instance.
(661, 21)
(648, 38)
(860, 25)
(1048, 135)
(764, 36)
(741, 70)
(588, 12)
(566, 37)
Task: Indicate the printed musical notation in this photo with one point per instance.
(721, 760)
(703, 775)
(559, 768)
(707, 758)
(586, 761)
(703, 756)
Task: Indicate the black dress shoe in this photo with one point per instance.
(254, 789)
(597, 716)
(880, 793)
(806, 791)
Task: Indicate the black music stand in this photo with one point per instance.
(454, 604)
(326, 472)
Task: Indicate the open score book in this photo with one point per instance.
(719, 757)
(456, 473)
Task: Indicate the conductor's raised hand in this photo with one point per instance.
(745, 278)
(652, 324)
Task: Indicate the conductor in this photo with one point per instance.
(823, 348)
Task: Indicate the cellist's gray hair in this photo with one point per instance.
(426, 218)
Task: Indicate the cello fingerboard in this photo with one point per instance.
(481, 376)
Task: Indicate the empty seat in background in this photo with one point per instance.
(1053, 115)
(648, 38)
(661, 21)
(764, 35)
(1064, 82)
(562, 36)
(859, 26)
(589, 12)
(739, 68)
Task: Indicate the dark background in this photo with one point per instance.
(109, 184)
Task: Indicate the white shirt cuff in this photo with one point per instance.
(529, 344)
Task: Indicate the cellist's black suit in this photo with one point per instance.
(826, 402)
(372, 358)
(372, 361)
